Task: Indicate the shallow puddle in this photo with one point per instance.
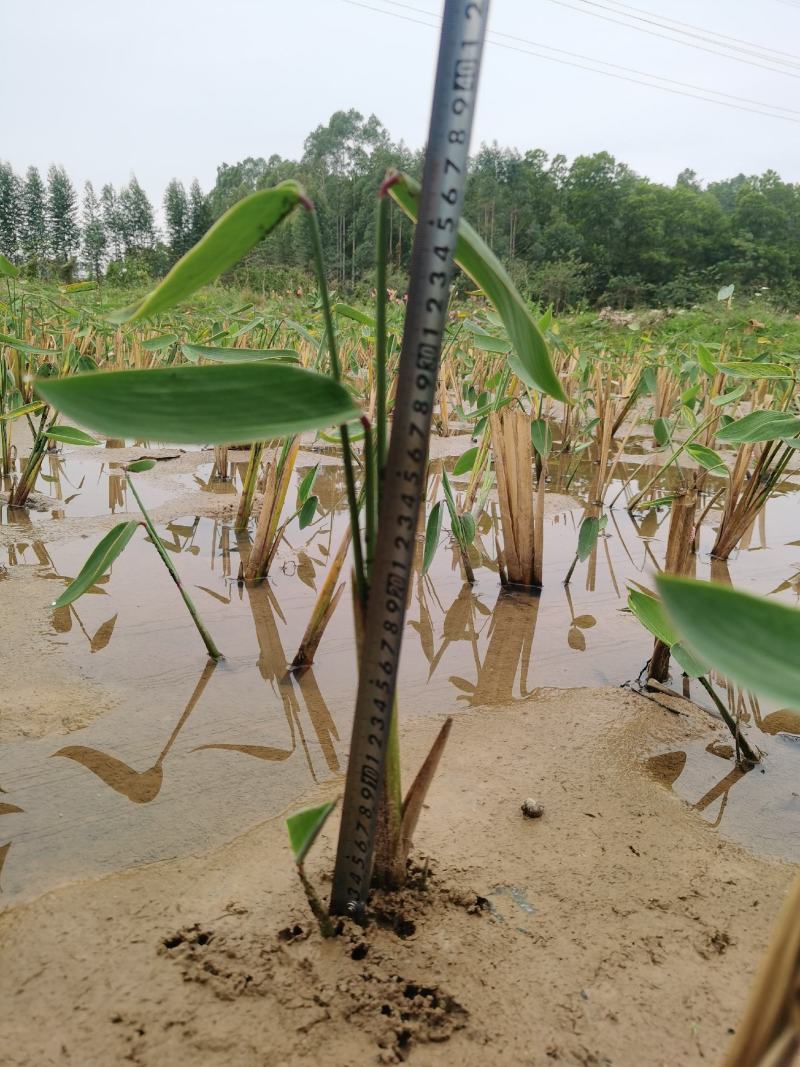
(193, 754)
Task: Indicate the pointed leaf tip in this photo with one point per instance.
(304, 826)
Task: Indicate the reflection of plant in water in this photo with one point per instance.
(140, 787)
(508, 653)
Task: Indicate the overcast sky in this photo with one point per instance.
(164, 88)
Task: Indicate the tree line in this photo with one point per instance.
(586, 231)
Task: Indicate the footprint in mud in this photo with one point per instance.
(395, 1011)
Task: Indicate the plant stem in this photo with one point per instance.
(730, 722)
(336, 374)
(208, 641)
(380, 324)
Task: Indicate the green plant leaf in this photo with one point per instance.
(705, 360)
(7, 268)
(752, 640)
(433, 531)
(155, 344)
(26, 409)
(743, 369)
(687, 662)
(348, 312)
(23, 346)
(70, 435)
(229, 239)
(304, 826)
(467, 524)
(760, 426)
(587, 536)
(466, 461)
(731, 396)
(707, 458)
(541, 437)
(140, 465)
(308, 511)
(202, 405)
(650, 612)
(662, 432)
(238, 355)
(98, 562)
(478, 261)
(306, 484)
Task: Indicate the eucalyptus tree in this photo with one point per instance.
(9, 211)
(33, 218)
(62, 216)
(94, 237)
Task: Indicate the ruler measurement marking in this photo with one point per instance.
(432, 268)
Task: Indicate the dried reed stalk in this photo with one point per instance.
(266, 537)
(327, 599)
(769, 1033)
(680, 553)
(522, 523)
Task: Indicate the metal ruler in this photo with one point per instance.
(432, 264)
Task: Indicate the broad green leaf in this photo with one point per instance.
(478, 261)
(26, 409)
(466, 461)
(433, 531)
(705, 360)
(760, 426)
(659, 502)
(541, 437)
(486, 342)
(708, 458)
(467, 524)
(687, 662)
(742, 369)
(308, 511)
(662, 432)
(155, 344)
(588, 534)
(238, 355)
(731, 396)
(98, 562)
(348, 312)
(305, 485)
(650, 613)
(229, 239)
(23, 346)
(752, 640)
(78, 287)
(304, 826)
(7, 268)
(140, 465)
(70, 435)
(202, 405)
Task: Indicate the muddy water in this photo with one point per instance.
(193, 754)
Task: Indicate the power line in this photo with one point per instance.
(713, 33)
(632, 75)
(663, 36)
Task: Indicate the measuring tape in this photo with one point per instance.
(432, 264)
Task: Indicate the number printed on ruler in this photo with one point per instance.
(405, 473)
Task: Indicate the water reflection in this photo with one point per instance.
(253, 736)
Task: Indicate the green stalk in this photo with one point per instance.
(730, 722)
(208, 641)
(249, 484)
(347, 454)
(380, 326)
(371, 495)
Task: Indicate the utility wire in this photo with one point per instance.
(702, 34)
(713, 33)
(675, 40)
(632, 75)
